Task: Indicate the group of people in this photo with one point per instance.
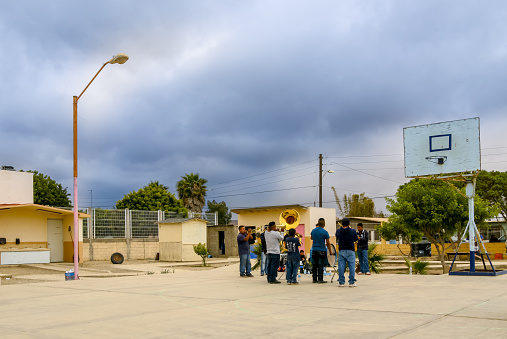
(346, 238)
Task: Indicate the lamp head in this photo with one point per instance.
(119, 58)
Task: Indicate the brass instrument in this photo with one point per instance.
(289, 218)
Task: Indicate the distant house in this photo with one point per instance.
(309, 216)
(177, 237)
(32, 233)
(369, 225)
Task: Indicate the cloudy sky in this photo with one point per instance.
(245, 93)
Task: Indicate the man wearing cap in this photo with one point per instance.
(362, 250)
(320, 238)
(346, 238)
(273, 238)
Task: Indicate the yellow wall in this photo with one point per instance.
(194, 232)
(169, 233)
(25, 224)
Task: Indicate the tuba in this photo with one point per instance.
(289, 218)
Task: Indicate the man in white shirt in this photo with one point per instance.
(273, 238)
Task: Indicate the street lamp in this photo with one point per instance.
(117, 59)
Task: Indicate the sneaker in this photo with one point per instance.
(289, 283)
(275, 282)
(295, 283)
(353, 285)
(341, 285)
(359, 273)
(315, 281)
(250, 275)
(262, 274)
(368, 273)
(242, 275)
(322, 282)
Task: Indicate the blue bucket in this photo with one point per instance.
(69, 276)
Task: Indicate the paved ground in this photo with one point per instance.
(218, 303)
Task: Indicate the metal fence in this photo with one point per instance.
(104, 224)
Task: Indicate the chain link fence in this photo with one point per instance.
(108, 224)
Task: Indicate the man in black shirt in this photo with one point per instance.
(346, 238)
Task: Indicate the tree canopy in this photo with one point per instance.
(434, 209)
(192, 191)
(224, 215)
(357, 205)
(492, 186)
(47, 191)
(152, 197)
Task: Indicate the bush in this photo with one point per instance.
(202, 251)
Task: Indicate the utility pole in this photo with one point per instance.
(320, 180)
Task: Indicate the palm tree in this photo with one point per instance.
(192, 190)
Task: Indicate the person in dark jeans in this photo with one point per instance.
(362, 250)
(245, 266)
(293, 258)
(346, 237)
(273, 238)
(320, 238)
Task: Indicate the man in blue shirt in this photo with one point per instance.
(346, 237)
(245, 266)
(320, 238)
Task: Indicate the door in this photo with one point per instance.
(55, 239)
(221, 242)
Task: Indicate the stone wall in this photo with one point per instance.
(231, 244)
(132, 249)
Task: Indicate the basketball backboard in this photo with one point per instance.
(443, 148)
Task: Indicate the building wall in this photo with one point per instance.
(194, 232)
(230, 235)
(102, 249)
(177, 240)
(170, 233)
(16, 187)
(30, 226)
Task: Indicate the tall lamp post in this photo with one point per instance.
(117, 59)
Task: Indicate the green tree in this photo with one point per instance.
(202, 251)
(48, 192)
(152, 197)
(356, 205)
(224, 215)
(434, 209)
(192, 191)
(492, 186)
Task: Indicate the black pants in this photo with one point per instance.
(318, 262)
(272, 264)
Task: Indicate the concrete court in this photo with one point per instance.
(218, 303)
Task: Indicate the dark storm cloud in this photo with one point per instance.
(231, 89)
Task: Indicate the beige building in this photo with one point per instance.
(309, 216)
(177, 237)
(31, 233)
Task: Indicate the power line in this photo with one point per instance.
(256, 175)
(277, 190)
(268, 183)
(248, 182)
